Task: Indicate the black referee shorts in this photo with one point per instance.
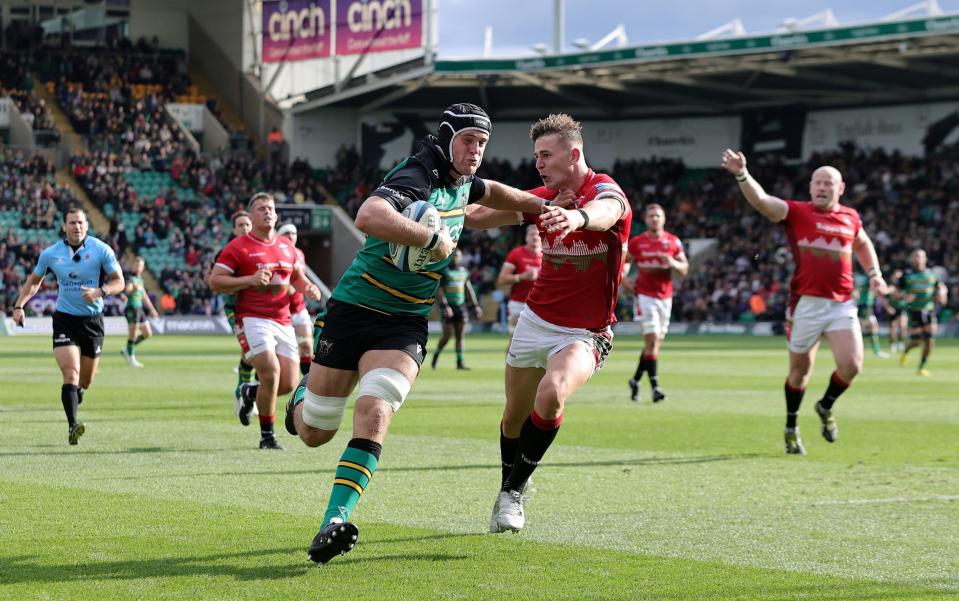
(84, 331)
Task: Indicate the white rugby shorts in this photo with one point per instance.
(301, 318)
(535, 340)
(814, 315)
(267, 335)
(652, 314)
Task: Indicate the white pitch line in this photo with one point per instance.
(888, 500)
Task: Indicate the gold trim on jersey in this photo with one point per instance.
(394, 292)
(433, 275)
(453, 212)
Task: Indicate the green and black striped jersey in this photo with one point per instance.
(920, 287)
(372, 280)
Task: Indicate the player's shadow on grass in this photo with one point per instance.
(579, 464)
(28, 569)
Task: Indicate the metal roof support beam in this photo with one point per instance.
(568, 94)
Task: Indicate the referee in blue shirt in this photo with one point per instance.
(86, 270)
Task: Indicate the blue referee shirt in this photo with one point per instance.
(95, 257)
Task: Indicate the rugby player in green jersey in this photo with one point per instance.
(454, 290)
(137, 299)
(921, 289)
(374, 328)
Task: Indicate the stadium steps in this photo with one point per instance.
(227, 111)
(97, 219)
(70, 140)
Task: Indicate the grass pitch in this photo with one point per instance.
(166, 497)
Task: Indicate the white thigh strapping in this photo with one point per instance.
(323, 412)
(387, 385)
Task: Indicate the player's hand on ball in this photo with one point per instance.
(733, 162)
(444, 246)
(261, 277)
(560, 220)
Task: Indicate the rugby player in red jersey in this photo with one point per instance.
(823, 236)
(302, 322)
(259, 267)
(519, 271)
(563, 335)
(658, 255)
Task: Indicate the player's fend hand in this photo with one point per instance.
(734, 162)
(312, 292)
(562, 221)
(18, 315)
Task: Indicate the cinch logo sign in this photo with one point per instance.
(306, 23)
(295, 30)
(389, 14)
(378, 25)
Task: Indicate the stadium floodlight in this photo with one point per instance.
(618, 34)
(733, 28)
(539, 48)
(824, 18)
(929, 8)
(581, 43)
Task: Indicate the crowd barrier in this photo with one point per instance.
(202, 325)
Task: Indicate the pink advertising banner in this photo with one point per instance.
(295, 30)
(378, 25)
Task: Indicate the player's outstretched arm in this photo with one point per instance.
(774, 209)
(508, 198)
(479, 217)
(598, 215)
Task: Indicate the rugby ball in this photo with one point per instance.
(414, 258)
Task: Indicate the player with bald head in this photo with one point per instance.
(823, 236)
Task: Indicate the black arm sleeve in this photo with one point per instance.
(477, 190)
(405, 186)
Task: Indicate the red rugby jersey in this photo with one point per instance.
(653, 278)
(523, 259)
(822, 248)
(244, 256)
(578, 284)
